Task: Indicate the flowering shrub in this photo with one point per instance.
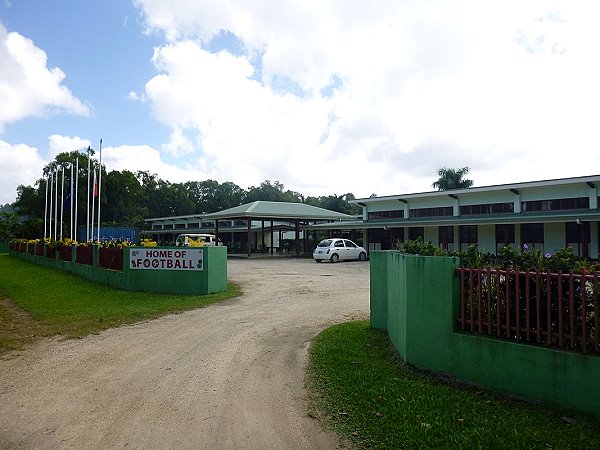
(67, 242)
(508, 257)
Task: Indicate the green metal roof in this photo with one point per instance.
(483, 219)
(591, 180)
(211, 230)
(278, 210)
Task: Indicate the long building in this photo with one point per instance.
(549, 215)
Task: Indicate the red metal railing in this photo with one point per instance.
(558, 310)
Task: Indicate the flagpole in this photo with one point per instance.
(87, 233)
(51, 204)
(99, 187)
(71, 204)
(62, 203)
(46, 209)
(55, 204)
(93, 200)
(76, 195)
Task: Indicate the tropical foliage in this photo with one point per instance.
(508, 258)
(128, 198)
(452, 179)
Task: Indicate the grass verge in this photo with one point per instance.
(38, 301)
(361, 388)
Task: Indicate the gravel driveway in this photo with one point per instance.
(230, 375)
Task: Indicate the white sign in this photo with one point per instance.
(166, 259)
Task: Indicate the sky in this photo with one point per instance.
(326, 97)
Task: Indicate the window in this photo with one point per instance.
(350, 244)
(194, 225)
(415, 233)
(532, 235)
(338, 244)
(431, 212)
(386, 238)
(208, 224)
(378, 215)
(556, 204)
(488, 208)
(446, 236)
(505, 235)
(577, 236)
(468, 234)
(180, 225)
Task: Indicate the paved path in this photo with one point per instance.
(227, 376)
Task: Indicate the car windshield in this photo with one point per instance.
(325, 243)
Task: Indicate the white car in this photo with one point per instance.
(335, 249)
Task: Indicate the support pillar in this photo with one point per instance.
(249, 237)
(272, 240)
(297, 237)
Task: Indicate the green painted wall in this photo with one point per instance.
(487, 238)
(554, 237)
(431, 234)
(212, 279)
(4, 247)
(594, 240)
(418, 308)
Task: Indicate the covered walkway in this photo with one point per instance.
(268, 214)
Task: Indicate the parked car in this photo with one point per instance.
(335, 249)
(197, 240)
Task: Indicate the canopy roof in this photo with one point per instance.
(278, 210)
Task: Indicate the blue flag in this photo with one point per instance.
(69, 195)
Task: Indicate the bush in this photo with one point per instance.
(508, 257)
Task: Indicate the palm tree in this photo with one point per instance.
(452, 179)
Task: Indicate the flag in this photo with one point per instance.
(69, 192)
(95, 185)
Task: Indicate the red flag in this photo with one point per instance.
(95, 185)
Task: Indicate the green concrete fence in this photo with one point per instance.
(191, 271)
(416, 299)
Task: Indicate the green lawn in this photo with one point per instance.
(37, 301)
(362, 389)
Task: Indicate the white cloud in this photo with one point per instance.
(507, 88)
(27, 86)
(146, 158)
(60, 144)
(20, 164)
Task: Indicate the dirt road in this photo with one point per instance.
(227, 376)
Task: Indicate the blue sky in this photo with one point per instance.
(101, 48)
(325, 97)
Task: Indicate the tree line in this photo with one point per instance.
(128, 198)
